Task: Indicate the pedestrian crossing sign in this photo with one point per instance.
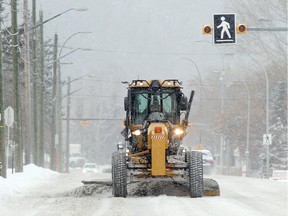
(224, 29)
(267, 139)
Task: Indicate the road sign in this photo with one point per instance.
(9, 116)
(85, 123)
(224, 29)
(267, 139)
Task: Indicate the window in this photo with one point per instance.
(170, 107)
(139, 107)
(144, 103)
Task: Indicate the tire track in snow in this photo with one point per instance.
(114, 207)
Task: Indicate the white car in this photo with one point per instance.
(89, 168)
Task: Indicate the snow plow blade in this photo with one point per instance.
(101, 182)
(211, 187)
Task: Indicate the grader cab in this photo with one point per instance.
(156, 120)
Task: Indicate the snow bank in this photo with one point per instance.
(17, 183)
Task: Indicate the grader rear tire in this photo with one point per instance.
(119, 174)
(195, 173)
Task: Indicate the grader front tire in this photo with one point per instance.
(195, 173)
(119, 174)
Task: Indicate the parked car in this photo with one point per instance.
(89, 168)
(208, 161)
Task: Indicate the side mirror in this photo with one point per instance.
(183, 103)
(126, 104)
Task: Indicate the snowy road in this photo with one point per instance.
(239, 197)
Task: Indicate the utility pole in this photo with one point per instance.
(68, 125)
(248, 131)
(267, 125)
(59, 118)
(42, 90)
(17, 135)
(54, 105)
(27, 113)
(3, 156)
(222, 118)
(35, 80)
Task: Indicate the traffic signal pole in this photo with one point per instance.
(267, 29)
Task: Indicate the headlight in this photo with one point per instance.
(120, 146)
(178, 131)
(136, 132)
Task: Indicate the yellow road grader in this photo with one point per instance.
(156, 120)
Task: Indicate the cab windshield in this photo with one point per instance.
(144, 103)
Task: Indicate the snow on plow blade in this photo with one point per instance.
(211, 187)
(172, 188)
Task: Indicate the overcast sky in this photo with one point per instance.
(135, 38)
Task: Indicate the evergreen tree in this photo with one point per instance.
(279, 126)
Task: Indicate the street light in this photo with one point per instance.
(67, 151)
(57, 97)
(248, 127)
(34, 49)
(69, 39)
(201, 84)
(222, 114)
(71, 9)
(267, 121)
(84, 49)
(199, 74)
(59, 101)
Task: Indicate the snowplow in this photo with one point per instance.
(156, 120)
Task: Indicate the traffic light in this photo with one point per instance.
(241, 29)
(206, 29)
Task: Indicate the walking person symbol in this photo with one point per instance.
(225, 28)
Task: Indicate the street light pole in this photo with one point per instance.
(68, 125)
(201, 89)
(60, 52)
(267, 122)
(248, 130)
(59, 100)
(68, 106)
(222, 116)
(71, 9)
